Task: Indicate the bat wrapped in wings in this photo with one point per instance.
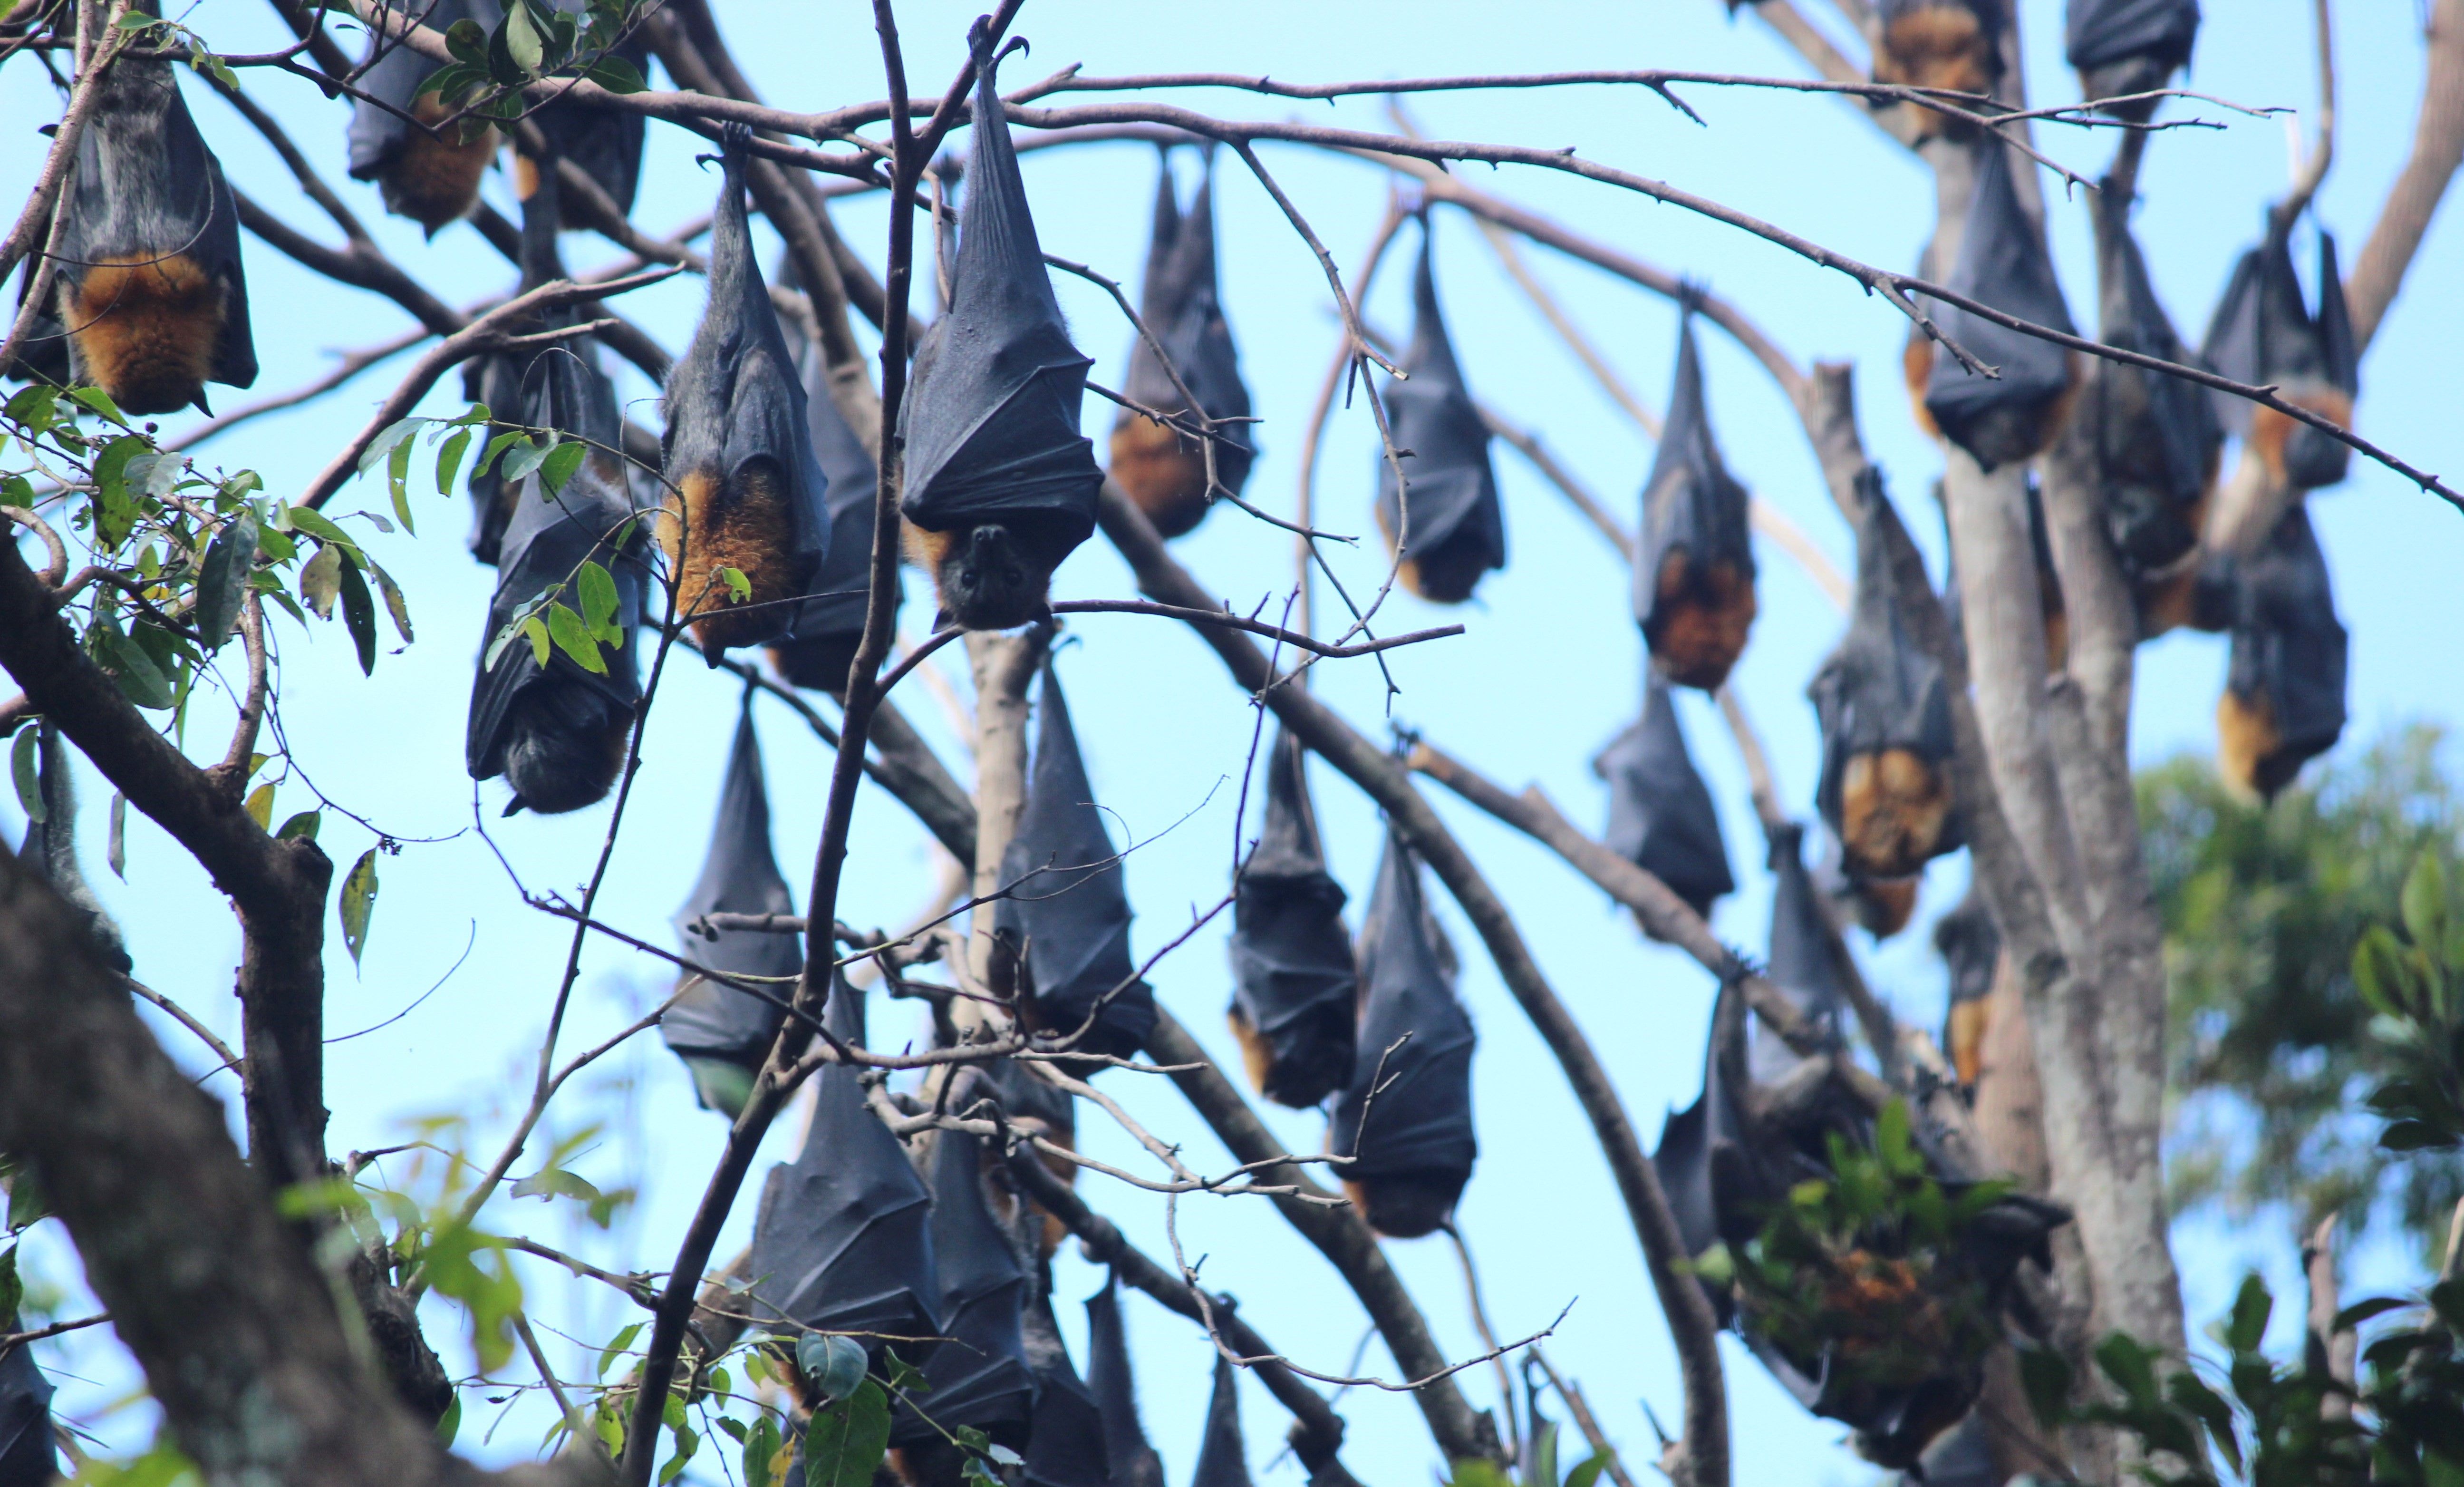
(1445, 521)
(50, 852)
(1223, 1460)
(1132, 1461)
(2284, 684)
(28, 1457)
(1162, 470)
(148, 291)
(1661, 815)
(509, 382)
(2123, 47)
(1065, 930)
(978, 1376)
(721, 1033)
(746, 495)
(605, 142)
(1694, 589)
(1293, 978)
(1065, 1445)
(843, 1240)
(1405, 1118)
(1971, 945)
(1801, 965)
(425, 169)
(827, 627)
(1884, 711)
(554, 728)
(1001, 485)
(1716, 1179)
(2264, 332)
(2009, 418)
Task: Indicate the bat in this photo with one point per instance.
(2157, 438)
(27, 1458)
(1444, 524)
(1954, 45)
(605, 142)
(506, 380)
(746, 495)
(1884, 713)
(1222, 1460)
(1800, 958)
(555, 731)
(1163, 471)
(1881, 905)
(1133, 1462)
(1293, 978)
(428, 176)
(1064, 1446)
(2002, 262)
(845, 1237)
(978, 1376)
(1694, 589)
(1963, 1455)
(722, 1033)
(1970, 945)
(1066, 929)
(1035, 1107)
(2264, 332)
(1001, 485)
(1661, 815)
(1405, 1117)
(50, 852)
(2121, 47)
(2283, 702)
(149, 293)
(828, 627)
(1716, 1181)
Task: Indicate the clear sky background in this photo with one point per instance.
(1549, 671)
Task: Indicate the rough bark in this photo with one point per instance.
(2437, 149)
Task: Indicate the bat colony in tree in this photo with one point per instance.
(898, 1223)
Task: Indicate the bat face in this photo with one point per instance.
(149, 289)
(563, 748)
(996, 575)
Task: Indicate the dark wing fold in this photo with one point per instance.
(2156, 436)
(1064, 1447)
(1660, 814)
(828, 625)
(1715, 1179)
(991, 422)
(740, 876)
(2003, 264)
(1293, 977)
(1182, 305)
(1070, 924)
(1133, 1462)
(28, 1457)
(1457, 526)
(1223, 1460)
(979, 1375)
(1800, 957)
(2284, 683)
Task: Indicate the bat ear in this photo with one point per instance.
(513, 807)
(202, 406)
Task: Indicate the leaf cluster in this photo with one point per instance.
(536, 40)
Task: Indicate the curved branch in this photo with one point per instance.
(2437, 150)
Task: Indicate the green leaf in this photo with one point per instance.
(599, 602)
(2247, 1327)
(397, 608)
(1891, 1138)
(138, 678)
(259, 806)
(27, 1204)
(222, 579)
(616, 75)
(2360, 1312)
(2378, 970)
(25, 768)
(2130, 1364)
(450, 1424)
(394, 433)
(496, 446)
(523, 458)
(317, 525)
(574, 639)
(304, 826)
(468, 40)
(449, 461)
(321, 581)
(835, 1364)
(535, 628)
(556, 1182)
(521, 38)
(739, 588)
(12, 1291)
(398, 483)
(560, 463)
(359, 901)
(2415, 1136)
(616, 1345)
(762, 1449)
(1588, 1473)
(2424, 901)
(114, 851)
(99, 401)
(359, 616)
(846, 1442)
(37, 406)
(2210, 1409)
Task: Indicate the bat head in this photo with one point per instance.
(563, 746)
(991, 575)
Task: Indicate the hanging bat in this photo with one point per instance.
(1065, 1445)
(2284, 685)
(568, 373)
(28, 1457)
(1445, 522)
(1717, 1180)
(1955, 45)
(2002, 262)
(979, 1375)
(1293, 978)
(1001, 485)
(1800, 958)
(424, 173)
(605, 142)
(1066, 929)
(2157, 438)
(1970, 945)
(1661, 815)
(50, 852)
(1133, 1462)
(722, 1033)
(2121, 47)
(745, 492)
(1884, 712)
(2263, 332)
(1694, 589)
(555, 731)
(1405, 1118)
(845, 1237)
(148, 291)
(828, 627)
(1163, 471)
(1223, 1460)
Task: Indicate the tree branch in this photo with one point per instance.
(2437, 150)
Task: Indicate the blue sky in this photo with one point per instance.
(1548, 672)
